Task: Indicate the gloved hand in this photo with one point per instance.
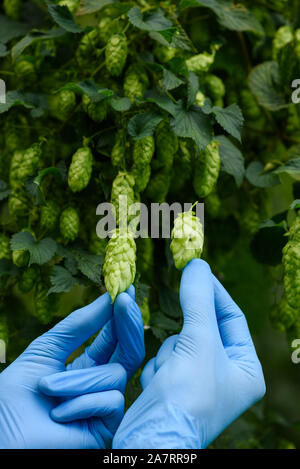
(43, 404)
(201, 380)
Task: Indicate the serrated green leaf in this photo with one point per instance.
(91, 6)
(16, 98)
(10, 29)
(40, 251)
(32, 37)
(88, 264)
(62, 280)
(232, 159)
(149, 21)
(62, 16)
(231, 119)
(264, 84)
(144, 124)
(192, 123)
(162, 101)
(180, 40)
(292, 168)
(120, 104)
(193, 87)
(170, 81)
(168, 34)
(90, 88)
(256, 176)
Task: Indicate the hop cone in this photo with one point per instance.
(164, 53)
(215, 86)
(69, 224)
(12, 8)
(87, 49)
(145, 310)
(283, 316)
(15, 163)
(166, 143)
(25, 72)
(291, 263)
(118, 151)
(135, 82)
(104, 27)
(50, 215)
(80, 170)
(201, 62)
(207, 169)
(283, 36)
(17, 204)
(96, 111)
(5, 252)
(119, 267)
(187, 239)
(28, 279)
(44, 307)
(142, 155)
(20, 258)
(62, 104)
(16, 133)
(30, 162)
(116, 54)
(122, 186)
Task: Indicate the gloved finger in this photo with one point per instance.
(86, 381)
(105, 343)
(109, 405)
(197, 302)
(130, 351)
(74, 330)
(232, 323)
(148, 373)
(165, 351)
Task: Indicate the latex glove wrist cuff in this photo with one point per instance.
(166, 427)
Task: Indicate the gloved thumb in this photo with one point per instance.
(197, 302)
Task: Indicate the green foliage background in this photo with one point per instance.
(208, 70)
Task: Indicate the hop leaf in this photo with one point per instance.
(119, 267)
(187, 239)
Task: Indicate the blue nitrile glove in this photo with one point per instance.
(38, 395)
(202, 379)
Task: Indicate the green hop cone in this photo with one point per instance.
(73, 5)
(187, 239)
(143, 152)
(164, 53)
(159, 185)
(283, 317)
(18, 204)
(118, 150)
(49, 215)
(30, 162)
(87, 49)
(135, 82)
(201, 62)
(80, 170)
(122, 187)
(28, 279)
(215, 87)
(15, 163)
(44, 304)
(25, 72)
(207, 169)
(291, 264)
(119, 266)
(13, 8)
(104, 27)
(96, 111)
(5, 252)
(69, 224)
(116, 54)
(200, 98)
(284, 35)
(16, 132)
(21, 257)
(166, 143)
(62, 104)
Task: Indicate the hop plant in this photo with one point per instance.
(122, 186)
(30, 162)
(28, 279)
(283, 316)
(12, 8)
(207, 169)
(16, 132)
(25, 72)
(187, 239)
(5, 252)
(69, 224)
(96, 111)
(21, 257)
(116, 54)
(215, 86)
(119, 266)
(104, 27)
(143, 152)
(118, 150)
(201, 62)
(44, 304)
(17, 204)
(291, 263)
(80, 170)
(50, 215)
(73, 5)
(135, 82)
(15, 163)
(284, 35)
(62, 104)
(87, 49)
(182, 168)
(164, 53)
(166, 143)
(159, 185)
